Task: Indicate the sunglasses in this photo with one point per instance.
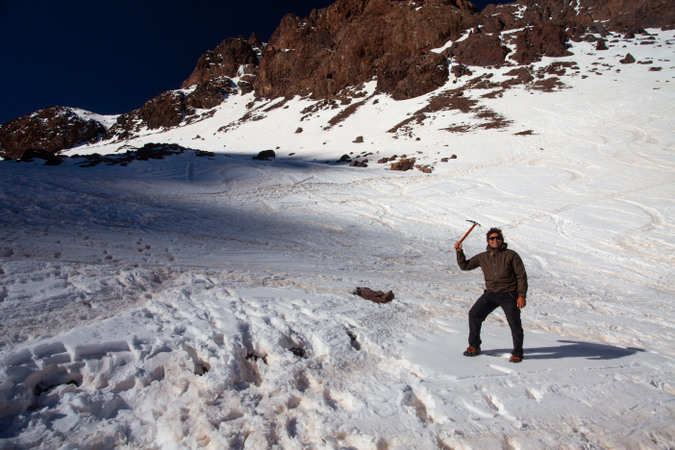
(495, 238)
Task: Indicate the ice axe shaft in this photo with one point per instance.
(470, 229)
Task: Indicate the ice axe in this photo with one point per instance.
(470, 229)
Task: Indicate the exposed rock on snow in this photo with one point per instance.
(374, 296)
(628, 59)
(403, 164)
(145, 153)
(265, 155)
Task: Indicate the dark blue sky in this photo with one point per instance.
(111, 56)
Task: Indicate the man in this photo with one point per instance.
(505, 287)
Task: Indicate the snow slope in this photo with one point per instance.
(206, 301)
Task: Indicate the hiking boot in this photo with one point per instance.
(472, 351)
(516, 359)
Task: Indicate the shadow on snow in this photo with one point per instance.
(575, 349)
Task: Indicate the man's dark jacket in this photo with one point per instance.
(503, 269)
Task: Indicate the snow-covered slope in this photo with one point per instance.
(207, 300)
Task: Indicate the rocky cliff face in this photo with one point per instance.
(353, 41)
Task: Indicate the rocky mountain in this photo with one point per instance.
(326, 56)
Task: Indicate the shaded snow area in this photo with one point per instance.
(206, 301)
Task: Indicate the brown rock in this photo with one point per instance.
(233, 57)
(223, 61)
(628, 59)
(211, 94)
(374, 296)
(480, 50)
(50, 130)
(460, 71)
(545, 39)
(163, 111)
(414, 76)
(596, 16)
(631, 15)
(378, 38)
(403, 165)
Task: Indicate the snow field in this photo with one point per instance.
(206, 301)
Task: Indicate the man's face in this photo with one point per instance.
(495, 241)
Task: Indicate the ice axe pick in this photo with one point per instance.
(472, 227)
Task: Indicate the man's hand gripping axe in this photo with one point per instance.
(470, 229)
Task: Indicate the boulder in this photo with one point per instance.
(403, 164)
(265, 155)
(628, 59)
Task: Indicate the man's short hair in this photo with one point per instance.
(493, 231)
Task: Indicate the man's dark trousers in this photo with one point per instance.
(487, 303)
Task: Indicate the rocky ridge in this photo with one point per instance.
(402, 45)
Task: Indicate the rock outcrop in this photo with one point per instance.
(545, 39)
(479, 49)
(51, 130)
(214, 77)
(386, 39)
(226, 60)
(163, 111)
